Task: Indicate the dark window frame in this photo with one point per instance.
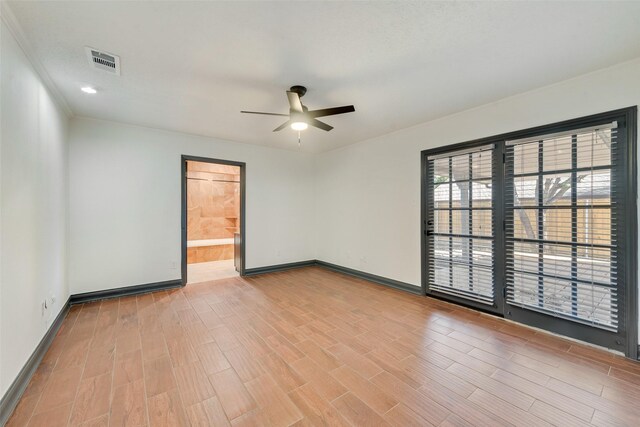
(626, 339)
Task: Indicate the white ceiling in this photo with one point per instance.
(192, 66)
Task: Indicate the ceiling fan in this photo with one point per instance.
(300, 118)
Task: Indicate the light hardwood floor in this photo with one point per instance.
(313, 347)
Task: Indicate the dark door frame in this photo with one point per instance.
(183, 167)
(627, 339)
(498, 306)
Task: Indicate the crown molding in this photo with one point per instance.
(9, 19)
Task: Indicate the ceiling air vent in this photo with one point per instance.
(103, 60)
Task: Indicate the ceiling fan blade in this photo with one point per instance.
(320, 125)
(294, 101)
(331, 111)
(266, 114)
(282, 126)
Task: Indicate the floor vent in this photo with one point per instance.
(103, 60)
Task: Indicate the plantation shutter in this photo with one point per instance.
(561, 225)
(460, 224)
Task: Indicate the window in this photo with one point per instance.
(539, 226)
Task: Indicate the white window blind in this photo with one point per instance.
(460, 223)
(560, 225)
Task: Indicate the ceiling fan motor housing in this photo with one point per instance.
(296, 116)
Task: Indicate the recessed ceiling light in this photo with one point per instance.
(89, 89)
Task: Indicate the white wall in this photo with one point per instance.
(125, 203)
(33, 208)
(368, 194)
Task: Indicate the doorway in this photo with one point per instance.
(212, 219)
(527, 225)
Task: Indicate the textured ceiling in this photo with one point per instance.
(192, 66)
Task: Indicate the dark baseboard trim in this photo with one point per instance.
(372, 278)
(11, 398)
(278, 267)
(380, 280)
(125, 291)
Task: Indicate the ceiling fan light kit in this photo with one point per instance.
(299, 126)
(300, 118)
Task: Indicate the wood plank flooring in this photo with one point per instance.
(310, 347)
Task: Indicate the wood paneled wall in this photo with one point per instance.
(213, 205)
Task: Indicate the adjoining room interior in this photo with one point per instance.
(213, 220)
(288, 213)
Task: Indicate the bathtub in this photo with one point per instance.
(209, 250)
